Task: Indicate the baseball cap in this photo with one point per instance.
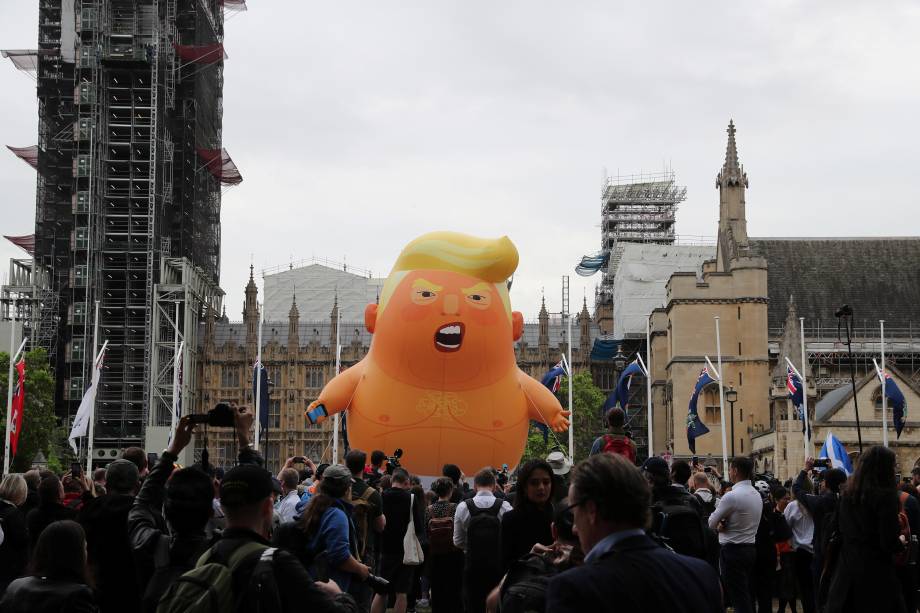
(337, 479)
(656, 466)
(559, 463)
(245, 484)
(121, 475)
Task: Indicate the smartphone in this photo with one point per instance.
(822, 463)
(707, 469)
(152, 460)
(300, 460)
(76, 470)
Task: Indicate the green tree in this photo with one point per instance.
(588, 424)
(38, 420)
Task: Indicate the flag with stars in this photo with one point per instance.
(695, 427)
(797, 396)
(898, 403)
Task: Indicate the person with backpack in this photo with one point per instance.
(677, 519)
(820, 506)
(369, 521)
(477, 531)
(531, 519)
(616, 440)
(868, 531)
(401, 511)
(186, 498)
(445, 561)
(736, 519)
(701, 488)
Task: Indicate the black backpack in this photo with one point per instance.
(524, 587)
(484, 539)
(677, 522)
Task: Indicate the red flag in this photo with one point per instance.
(19, 401)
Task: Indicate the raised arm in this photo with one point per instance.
(336, 395)
(542, 404)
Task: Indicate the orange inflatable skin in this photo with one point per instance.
(440, 379)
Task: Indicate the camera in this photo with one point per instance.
(822, 463)
(844, 311)
(221, 416)
(393, 461)
(502, 477)
(378, 584)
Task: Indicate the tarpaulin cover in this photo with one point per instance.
(220, 164)
(27, 242)
(201, 54)
(29, 155)
(605, 349)
(26, 59)
(234, 5)
(590, 264)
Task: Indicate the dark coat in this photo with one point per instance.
(864, 576)
(110, 558)
(14, 551)
(44, 515)
(637, 576)
(35, 595)
(522, 528)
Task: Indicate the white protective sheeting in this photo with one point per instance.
(68, 31)
(639, 285)
(316, 287)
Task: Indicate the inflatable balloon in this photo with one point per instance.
(440, 379)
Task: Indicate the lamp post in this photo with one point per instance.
(731, 395)
(845, 314)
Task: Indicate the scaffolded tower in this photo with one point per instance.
(130, 171)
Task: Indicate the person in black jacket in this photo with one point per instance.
(14, 544)
(59, 578)
(819, 507)
(189, 498)
(864, 572)
(50, 508)
(624, 569)
(531, 519)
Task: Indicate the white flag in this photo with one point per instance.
(86, 410)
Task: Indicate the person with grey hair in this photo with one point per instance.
(14, 536)
(105, 520)
(624, 568)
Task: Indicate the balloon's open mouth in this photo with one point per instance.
(449, 338)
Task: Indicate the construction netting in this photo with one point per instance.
(26, 243)
(201, 54)
(233, 5)
(220, 164)
(590, 264)
(25, 59)
(29, 155)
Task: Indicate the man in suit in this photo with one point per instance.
(624, 569)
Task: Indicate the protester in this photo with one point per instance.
(453, 472)
(445, 561)
(477, 531)
(615, 441)
(368, 519)
(531, 519)
(376, 468)
(819, 506)
(702, 490)
(677, 517)
(74, 489)
(624, 569)
(33, 479)
(561, 468)
(138, 457)
(398, 507)
(187, 503)
(58, 580)
(906, 563)
(863, 577)
(14, 536)
(99, 481)
(418, 592)
(785, 579)
(803, 528)
(105, 520)
(736, 519)
(50, 508)
(287, 505)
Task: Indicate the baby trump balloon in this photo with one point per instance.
(440, 379)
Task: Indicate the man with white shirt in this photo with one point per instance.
(477, 531)
(736, 518)
(287, 506)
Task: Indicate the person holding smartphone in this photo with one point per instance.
(819, 506)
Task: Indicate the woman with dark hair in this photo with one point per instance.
(445, 562)
(14, 536)
(531, 519)
(58, 580)
(864, 576)
(324, 539)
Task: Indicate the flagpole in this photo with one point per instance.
(338, 366)
(568, 319)
(807, 436)
(721, 398)
(258, 370)
(648, 381)
(881, 324)
(92, 415)
(9, 394)
(173, 422)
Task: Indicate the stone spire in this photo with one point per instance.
(732, 182)
(251, 314)
(790, 345)
(334, 318)
(732, 171)
(293, 340)
(584, 329)
(543, 339)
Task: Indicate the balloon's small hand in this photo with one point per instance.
(560, 422)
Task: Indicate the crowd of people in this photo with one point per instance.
(366, 535)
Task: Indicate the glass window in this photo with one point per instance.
(76, 349)
(79, 275)
(314, 378)
(229, 376)
(83, 166)
(82, 202)
(79, 313)
(81, 238)
(76, 388)
(274, 414)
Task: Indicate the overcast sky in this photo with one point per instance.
(360, 125)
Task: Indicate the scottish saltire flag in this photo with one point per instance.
(86, 410)
(695, 427)
(258, 370)
(551, 381)
(797, 395)
(620, 394)
(898, 403)
(19, 403)
(834, 450)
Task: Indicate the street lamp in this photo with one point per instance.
(731, 394)
(619, 360)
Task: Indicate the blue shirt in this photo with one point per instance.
(609, 542)
(334, 538)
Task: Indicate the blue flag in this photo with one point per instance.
(834, 450)
(620, 394)
(551, 381)
(695, 427)
(797, 395)
(258, 369)
(898, 404)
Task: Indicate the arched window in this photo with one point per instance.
(710, 397)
